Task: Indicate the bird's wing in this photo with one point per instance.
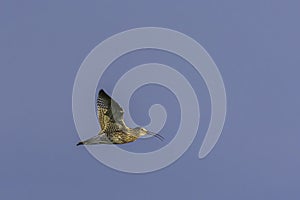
(110, 113)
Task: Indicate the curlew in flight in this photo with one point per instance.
(113, 127)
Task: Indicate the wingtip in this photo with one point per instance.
(102, 92)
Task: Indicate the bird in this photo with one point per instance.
(113, 128)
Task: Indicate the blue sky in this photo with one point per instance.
(255, 44)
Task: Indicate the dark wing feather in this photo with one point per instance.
(110, 113)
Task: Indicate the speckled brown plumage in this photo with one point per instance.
(113, 128)
(119, 137)
(110, 116)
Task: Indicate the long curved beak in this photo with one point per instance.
(158, 136)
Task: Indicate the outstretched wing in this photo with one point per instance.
(110, 113)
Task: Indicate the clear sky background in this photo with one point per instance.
(256, 47)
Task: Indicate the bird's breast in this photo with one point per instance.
(121, 138)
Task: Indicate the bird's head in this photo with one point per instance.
(140, 131)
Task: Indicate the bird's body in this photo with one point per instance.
(113, 127)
